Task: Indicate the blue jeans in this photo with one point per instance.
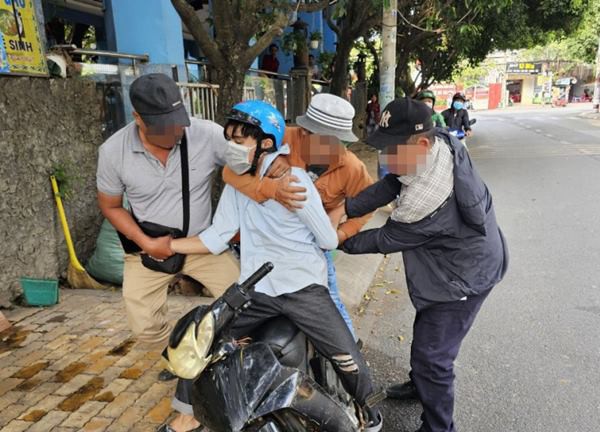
(335, 292)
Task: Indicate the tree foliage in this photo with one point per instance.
(442, 35)
(350, 20)
(242, 30)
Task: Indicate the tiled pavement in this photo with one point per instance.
(76, 367)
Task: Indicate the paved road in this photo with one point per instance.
(532, 361)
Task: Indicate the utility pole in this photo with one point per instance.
(387, 90)
(597, 86)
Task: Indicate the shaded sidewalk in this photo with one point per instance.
(76, 367)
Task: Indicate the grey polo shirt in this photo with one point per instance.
(154, 190)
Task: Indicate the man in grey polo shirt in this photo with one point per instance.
(143, 161)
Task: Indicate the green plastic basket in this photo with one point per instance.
(40, 292)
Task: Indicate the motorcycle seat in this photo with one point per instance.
(286, 341)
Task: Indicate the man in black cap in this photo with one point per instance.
(145, 160)
(453, 251)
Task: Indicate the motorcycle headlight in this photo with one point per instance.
(191, 356)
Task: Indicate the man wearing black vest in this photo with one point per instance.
(454, 252)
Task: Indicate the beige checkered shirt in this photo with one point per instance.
(424, 193)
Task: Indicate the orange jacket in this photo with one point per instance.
(345, 179)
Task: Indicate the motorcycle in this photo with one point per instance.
(274, 382)
(460, 134)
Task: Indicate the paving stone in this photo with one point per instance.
(31, 337)
(73, 385)
(59, 341)
(117, 407)
(31, 357)
(154, 395)
(91, 343)
(128, 419)
(41, 391)
(24, 352)
(46, 328)
(8, 371)
(47, 404)
(83, 341)
(49, 421)
(115, 388)
(65, 361)
(16, 426)
(30, 370)
(94, 356)
(98, 424)
(56, 332)
(101, 365)
(18, 314)
(31, 385)
(142, 384)
(80, 417)
(112, 373)
(9, 398)
(8, 384)
(11, 412)
(161, 411)
(143, 426)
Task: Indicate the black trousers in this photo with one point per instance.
(314, 313)
(438, 332)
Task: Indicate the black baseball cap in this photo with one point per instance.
(401, 119)
(157, 99)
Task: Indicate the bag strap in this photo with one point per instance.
(185, 184)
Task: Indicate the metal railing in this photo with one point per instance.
(200, 99)
(72, 50)
(275, 88)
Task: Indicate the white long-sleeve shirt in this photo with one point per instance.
(292, 241)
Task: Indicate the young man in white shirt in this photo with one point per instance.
(292, 241)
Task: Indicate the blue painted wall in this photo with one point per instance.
(145, 27)
(315, 23)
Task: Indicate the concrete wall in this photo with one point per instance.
(44, 123)
(528, 88)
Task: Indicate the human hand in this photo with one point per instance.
(469, 133)
(279, 167)
(288, 195)
(158, 248)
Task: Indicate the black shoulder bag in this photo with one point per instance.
(175, 263)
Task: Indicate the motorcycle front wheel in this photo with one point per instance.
(283, 421)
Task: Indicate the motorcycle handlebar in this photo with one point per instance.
(264, 270)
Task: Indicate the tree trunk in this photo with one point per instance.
(339, 78)
(387, 92)
(231, 90)
(597, 84)
(403, 79)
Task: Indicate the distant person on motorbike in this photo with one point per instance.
(457, 117)
(292, 240)
(428, 98)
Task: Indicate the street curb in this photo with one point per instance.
(355, 273)
(590, 115)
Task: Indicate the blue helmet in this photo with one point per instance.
(261, 114)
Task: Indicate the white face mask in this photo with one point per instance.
(237, 157)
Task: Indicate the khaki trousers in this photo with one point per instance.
(145, 290)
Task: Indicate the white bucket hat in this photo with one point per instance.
(329, 115)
